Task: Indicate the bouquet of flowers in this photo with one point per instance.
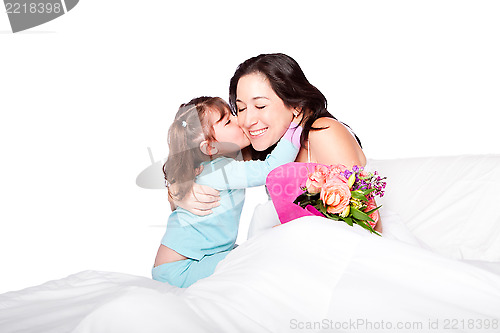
(343, 195)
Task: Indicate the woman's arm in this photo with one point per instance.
(199, 201)
(333, 145)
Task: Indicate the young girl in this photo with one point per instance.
(203, 141)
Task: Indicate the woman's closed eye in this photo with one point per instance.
(241, 109)
(260, 107)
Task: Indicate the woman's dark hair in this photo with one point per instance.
(290, 84)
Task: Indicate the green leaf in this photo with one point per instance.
(367, 226)
(357, 214)
(334, 217)
(321, 208)
(368, 191)
(349, 221)
(358, 195)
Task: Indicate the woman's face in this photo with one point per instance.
(261, 113)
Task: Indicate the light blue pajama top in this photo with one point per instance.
(196, 236)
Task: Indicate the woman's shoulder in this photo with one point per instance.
(333, 143)
(325, 121)
(330, 127)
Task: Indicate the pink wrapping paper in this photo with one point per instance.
(283, 184)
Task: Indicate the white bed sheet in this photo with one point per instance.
(306, 272)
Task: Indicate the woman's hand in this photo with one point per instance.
(199, 201)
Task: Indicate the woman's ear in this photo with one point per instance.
(207, 148)
(298, 115)
(296, 112)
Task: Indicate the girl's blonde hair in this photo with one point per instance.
(191, 126)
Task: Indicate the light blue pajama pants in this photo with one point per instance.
(184, 273)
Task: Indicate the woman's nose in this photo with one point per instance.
(250, 117)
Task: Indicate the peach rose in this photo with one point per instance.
(375, 215)
(335, 194)
(316, 179)
(336, 169)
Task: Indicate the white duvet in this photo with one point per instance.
(312, 274)
(307, 273)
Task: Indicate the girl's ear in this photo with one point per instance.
(207, 148)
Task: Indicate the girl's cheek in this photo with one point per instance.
(241, 120)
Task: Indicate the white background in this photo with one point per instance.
(84, 96)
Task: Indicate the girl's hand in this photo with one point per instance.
(199, 201)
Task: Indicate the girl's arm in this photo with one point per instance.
(203, 198)
(231, 174)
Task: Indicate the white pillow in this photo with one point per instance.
(449, 203)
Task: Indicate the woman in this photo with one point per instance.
(267, 93)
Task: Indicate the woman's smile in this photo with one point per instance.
(254, 134)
